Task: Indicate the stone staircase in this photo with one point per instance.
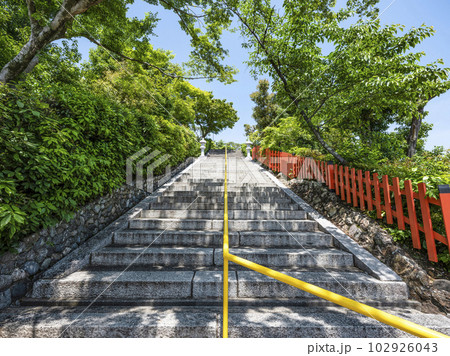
(162, 275)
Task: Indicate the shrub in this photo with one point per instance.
(64, 145)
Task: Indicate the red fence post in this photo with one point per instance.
(341, 182)
(398, 203)
(355, 196)
(330, 175)
(444, 197)
(320, 171)
(361, 190)
(324, 171)
(300, 167)
(387, 200)
(427, 224)
(369, 191)
(376, 186)
(316, 169)
(336, 179)
(412, 217)
(279, 161)
(347, 185)
(270, 158)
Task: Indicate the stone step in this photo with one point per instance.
(102, 322)
(231, 189)
(220, 194)
(175, 238)
(218, 214)
(204, 182)
(117, 285)
(284, 239)
(201, 322)
(233, 225)
(279, 257)
(215, 239)
(348, 284)
(203, 257)
(153, 256)
(216, 200)
(241, 179)
(219, 206)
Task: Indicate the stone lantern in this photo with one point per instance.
(202, 147)
(249, 156)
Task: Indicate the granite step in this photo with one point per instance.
(218, 214)
(281, 257)
(204, 322)
(153, 256)
(219, 206)
(177, 187)
(215, 238)
(117, 285)
(220, 194)
(197, 256)
(189, 238)
(220, 199)
(233, 225)
(354, 285)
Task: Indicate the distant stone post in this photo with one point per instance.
(249, 156)
(202, 147)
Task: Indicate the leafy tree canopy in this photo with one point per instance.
(370, 68)
(28, 27)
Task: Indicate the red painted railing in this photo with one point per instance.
(365, 191)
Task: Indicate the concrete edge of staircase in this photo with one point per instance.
(79, 258)
(363, 259)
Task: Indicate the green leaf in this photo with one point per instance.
(5, 221)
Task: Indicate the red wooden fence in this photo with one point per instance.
(365, 191)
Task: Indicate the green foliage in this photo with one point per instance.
(65, 142)
(431, 168)
(107, 23)
(369, 79)
(400, 236)
(288, 135)
(220, 145)
(13, 30)
(265, 110)
(212, 115)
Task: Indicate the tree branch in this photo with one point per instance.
(170, 75)
(288, 92)
(171, 5)
(34, 24)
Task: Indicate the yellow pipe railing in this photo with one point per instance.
(225, 252)
(386, 318)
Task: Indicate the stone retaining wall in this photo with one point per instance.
(434, 294)
(39, 251)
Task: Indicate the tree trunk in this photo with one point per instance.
(42, 36)
(22, 60)
(280, 74)
(322, 141)
(414, 130)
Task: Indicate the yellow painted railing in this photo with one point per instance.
(386, 318)
(225, 252)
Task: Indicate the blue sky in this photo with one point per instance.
(411, 13)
